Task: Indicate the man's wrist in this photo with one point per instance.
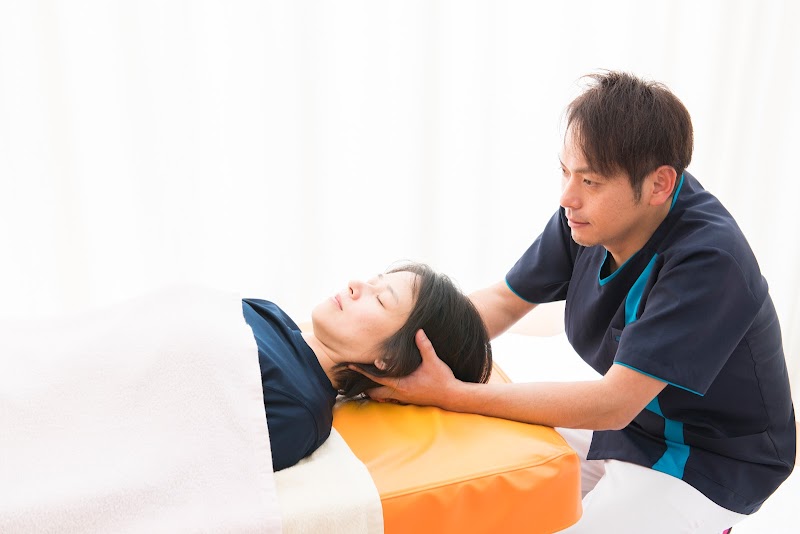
(454, 394)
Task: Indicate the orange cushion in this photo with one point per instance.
(444, 472)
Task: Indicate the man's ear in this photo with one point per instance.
(663, 186)
(380, 364)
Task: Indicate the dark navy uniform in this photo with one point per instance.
(298, 396)
(691, 309)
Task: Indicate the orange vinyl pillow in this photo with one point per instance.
(445, 472)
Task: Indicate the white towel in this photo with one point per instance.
(145, 417)
(329, 492)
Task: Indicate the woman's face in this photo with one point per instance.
(356, 321)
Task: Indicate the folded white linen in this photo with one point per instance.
(331, 491)
(144, 417)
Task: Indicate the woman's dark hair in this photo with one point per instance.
(451, 322)
(623, 123)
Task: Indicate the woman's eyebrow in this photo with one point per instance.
(391, 289)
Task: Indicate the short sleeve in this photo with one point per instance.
(292, 430)
(543, 272)
(697, 311)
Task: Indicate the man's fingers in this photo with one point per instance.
(381, 394)
(384, 381)
(425, 346)
(389, 382)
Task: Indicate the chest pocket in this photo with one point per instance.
(611, 343)
(606, 353)
(616, 335)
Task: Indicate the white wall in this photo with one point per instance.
(280, 148)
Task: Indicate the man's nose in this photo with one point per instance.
(569, 195)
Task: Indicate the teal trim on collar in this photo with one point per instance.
(610, 277)
(677, 192)
(607, 279)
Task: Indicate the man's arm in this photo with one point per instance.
(605, 404)
(499, 307)
(609, 403)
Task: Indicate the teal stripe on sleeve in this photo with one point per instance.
(517, 294)
(659, 379)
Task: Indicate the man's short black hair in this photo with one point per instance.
(625, 124)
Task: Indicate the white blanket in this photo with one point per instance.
(329, 492)
(146, 417)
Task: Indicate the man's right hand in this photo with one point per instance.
(426, 386)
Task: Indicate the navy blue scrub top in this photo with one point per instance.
(298, 396)
(691, 309)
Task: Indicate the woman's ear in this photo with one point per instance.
(380, 364)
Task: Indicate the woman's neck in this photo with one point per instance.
(327, 359)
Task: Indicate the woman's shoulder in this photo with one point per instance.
(270, 311)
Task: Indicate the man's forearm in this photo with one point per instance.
(564, 404)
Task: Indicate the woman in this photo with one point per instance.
(370, 325)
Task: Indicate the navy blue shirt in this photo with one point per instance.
(691, 309)
(298, 396)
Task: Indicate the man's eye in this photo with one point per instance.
(588, 182)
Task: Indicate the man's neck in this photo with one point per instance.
(619, 254)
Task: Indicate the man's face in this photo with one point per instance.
(355, 321)
(601, 210)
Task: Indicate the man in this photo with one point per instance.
(692, 425)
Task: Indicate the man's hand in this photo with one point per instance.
(608, 403)
(427, 386)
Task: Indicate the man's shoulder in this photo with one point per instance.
(699, 221)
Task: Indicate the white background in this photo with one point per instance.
(281, 148)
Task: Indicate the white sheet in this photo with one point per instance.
(147, 417)
(329, 492)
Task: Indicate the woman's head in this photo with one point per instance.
(354, 323)
(435, 305)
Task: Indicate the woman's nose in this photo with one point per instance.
(356, 287)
